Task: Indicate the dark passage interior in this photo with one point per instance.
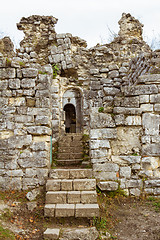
(70, 118)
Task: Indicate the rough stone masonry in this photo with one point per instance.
(118, 85)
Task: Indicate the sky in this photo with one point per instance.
(91, 20)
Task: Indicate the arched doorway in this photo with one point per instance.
(70, 118)
(72, 105)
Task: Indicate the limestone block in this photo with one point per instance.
(19, 101)
(81, 233)
(155, 98)
(6, 93)
(80, 173)
(87, 210)
(42, 93)
(49, 210)
(35, 159)
(125, 172)
(103, 133)
(119, 119)
(144, 98)
(151, 149)
(146, 139)
(14, 83)
(113, 74)
(66, 185)
(136, 166)
(59, 174)
(51, 234)
(126, 160)
(146, 107)
(152, 183)
(108, 186)
(39, 146)
(99, 153)
(106, 167)
(157, 107)
(135, 192)
(128, 138)
(15, 173)
(105, 175)
(39, 172)
(96, 144)
(28, 83)
(94, 71)
(140, 90)
(23, 118)
(6, 134)
(153, 162)
(19, 141)
(156, 173)
(29, 72)
(84, 184)
(101, 120)
(29, 92)
(65, 210)
(133, 183)
(127, 111)
(113, 67)
(3, 101)
(123, 70)
(130, 102)
(88, 197)
(3, 183)
(42, 102)
(7, 73)
(14, 183)
(133, 120)
(74, 196)
(150, 78)
(53, 185)
(11, 164)
(111, 91)
(3, 84)
(43, 120)
(104, 70)
(41, 139)
(39, 130)
(56, 197)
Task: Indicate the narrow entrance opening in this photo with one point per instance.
(70, 118)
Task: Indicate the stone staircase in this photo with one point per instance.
(70, 149)
(70, 193)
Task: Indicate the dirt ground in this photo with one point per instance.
(132, 218)
(124, 218)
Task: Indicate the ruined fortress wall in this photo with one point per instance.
(119, 84)
(25, 125)
(124, 134)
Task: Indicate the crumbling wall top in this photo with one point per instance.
(130, 27)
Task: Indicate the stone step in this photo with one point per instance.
(70, 173)
(71, 210)
(78, 149)
(71, 185)
(70, 144)
(70, 155)
(71, 233)
(71, 197)
(69, 162)
(51, 234)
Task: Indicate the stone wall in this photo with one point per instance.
(119, 85)
(25, 124)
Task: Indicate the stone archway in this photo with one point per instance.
(70, 118)
(72, 102)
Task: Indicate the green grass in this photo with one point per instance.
(155, 202)
(6, 234)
